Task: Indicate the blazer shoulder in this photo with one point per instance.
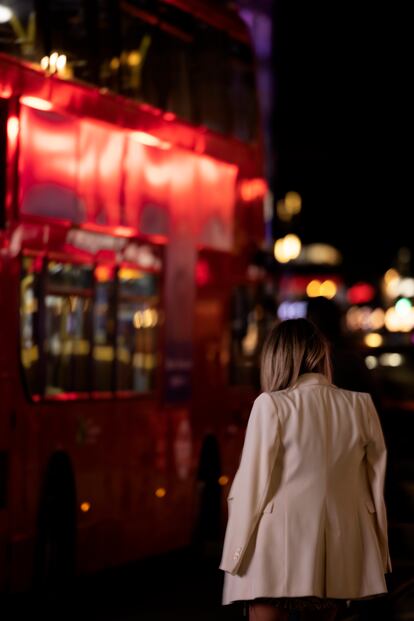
(267, 402)
(352, 394)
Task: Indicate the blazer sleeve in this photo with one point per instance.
(376, 454)
(248, 493)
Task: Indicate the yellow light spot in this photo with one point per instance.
(85, 506)
(223, 480)
(293, 246)
(279, 251)
(134, 58)
(61, 62)
(390, 275)
(293, 202)
(44, 63)
(287, 248)
(373, 340)
(282, 212)
(160, 492)
(328, 289)
(138, 320)
(115, 64)
(313, 288)
(129, 273)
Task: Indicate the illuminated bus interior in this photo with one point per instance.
(152, 52)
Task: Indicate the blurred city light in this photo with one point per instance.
(85, 507)
(5, 14)
(316, 288)
(391, 360)
(403, 306)
(390, 275)
(287, 248)
(313, 289)
(328, 289)
(292, 310)
(282, 212)
(373, 340)
(160, 492)
(360, 293)
(55, 63)
(293, 203)
(371, 362)
(223, 480)
(320, 254)
(365, 318)
(401, 320)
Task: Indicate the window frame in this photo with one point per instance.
(91, 395)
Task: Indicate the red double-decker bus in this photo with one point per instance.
(130, 313)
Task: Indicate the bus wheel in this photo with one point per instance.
(55, 546)
(206, 534)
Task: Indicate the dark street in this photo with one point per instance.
(180, 586)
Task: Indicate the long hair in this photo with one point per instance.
(293, 347)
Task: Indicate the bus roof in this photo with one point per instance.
(21, 79)
(214, 13)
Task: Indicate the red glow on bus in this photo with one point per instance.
(13, 127)
(104, 273)
(150, 141)
(203, 273)
(252, 189)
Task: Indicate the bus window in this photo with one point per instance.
(155, 57)
(242, 91)
(104, 318)
(18, 32)
(29, 324)
(68, 312)
(212, 84)
(137, 330)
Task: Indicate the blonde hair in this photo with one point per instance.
(293, 347)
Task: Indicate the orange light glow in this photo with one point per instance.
(150, 141)
(85, 506)
(160, 492)
(223, 480)
(6, 92)
(252, 189)
(36, 102)
(103, 273)
(13, 127)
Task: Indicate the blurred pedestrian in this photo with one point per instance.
(307, 525)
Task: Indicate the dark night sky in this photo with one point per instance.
(343, 127)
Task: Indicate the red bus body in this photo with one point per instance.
(96, 180)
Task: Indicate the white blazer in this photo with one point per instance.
(306, 507)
